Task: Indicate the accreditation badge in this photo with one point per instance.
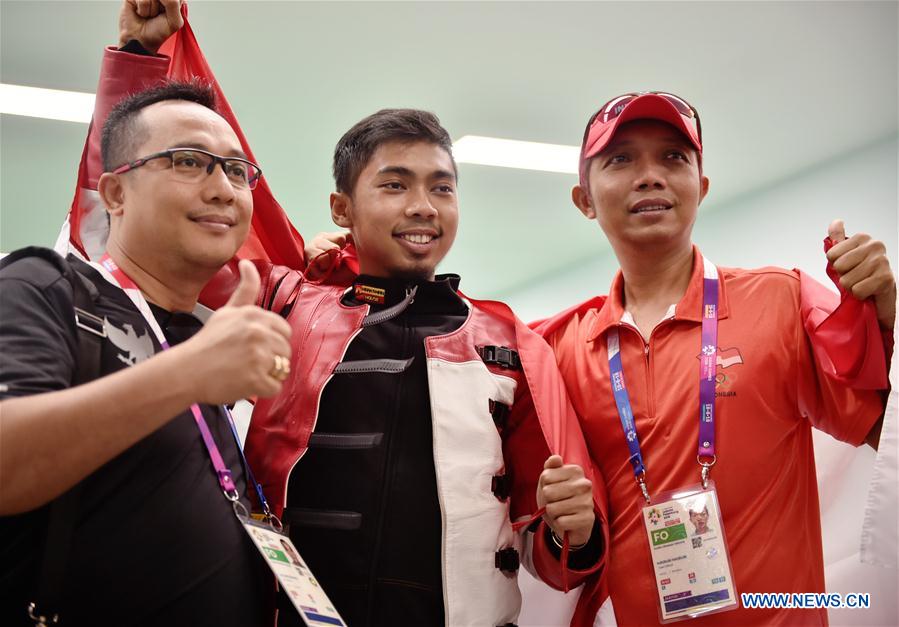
(293, 575)
(689, 553)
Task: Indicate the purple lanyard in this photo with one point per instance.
(708, 358)
(226, 481)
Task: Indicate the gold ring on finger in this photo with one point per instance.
(281, 368)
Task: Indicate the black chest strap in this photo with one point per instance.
(91, 331)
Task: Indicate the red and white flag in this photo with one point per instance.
(271, 238)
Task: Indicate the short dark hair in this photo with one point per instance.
(123, 133)
(356, 147)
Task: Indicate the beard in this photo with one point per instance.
(413, 275)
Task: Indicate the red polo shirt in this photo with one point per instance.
(769, 394)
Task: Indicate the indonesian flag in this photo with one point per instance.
(271, 238)
(728, 357)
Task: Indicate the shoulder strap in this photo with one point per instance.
(61, 519)
(88, 324)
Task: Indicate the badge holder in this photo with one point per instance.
(293, 574)
(690, 560)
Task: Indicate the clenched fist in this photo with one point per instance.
(150, 22)
(568, 497)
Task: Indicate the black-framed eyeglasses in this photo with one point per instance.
(191, 165)
(614, 107)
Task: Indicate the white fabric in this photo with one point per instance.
(62, 240)
(880, 529)
(94, 228)
(467, 454)
(242, 413)
(541, 606)
(628, 318)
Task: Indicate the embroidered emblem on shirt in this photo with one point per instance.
(724, 360)
(368, 294)
(135, 348)
(728, 357)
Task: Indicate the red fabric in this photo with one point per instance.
(766, 402)
(272, 237)
(281, 426)
(120, 74)
(847, 338)
(343, 267)
(547, 326)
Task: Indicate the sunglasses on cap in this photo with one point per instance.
(616, 106)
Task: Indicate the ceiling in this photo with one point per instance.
(782, 88)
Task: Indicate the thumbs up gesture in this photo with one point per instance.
(242, 350)
(864, 270)
(247, 288)
(568, 497)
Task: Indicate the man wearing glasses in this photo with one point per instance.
(108, 435)
(701, 384)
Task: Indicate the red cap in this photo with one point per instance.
(643, 107)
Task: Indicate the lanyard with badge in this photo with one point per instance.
(684, 528)
(266, 533)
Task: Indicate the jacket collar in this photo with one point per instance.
(437, 296)
(689, 308)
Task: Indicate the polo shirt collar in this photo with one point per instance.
(688, 308)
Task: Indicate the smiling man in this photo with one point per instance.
(411, 433)
(112, 503)
(703, 383)
(372, 197)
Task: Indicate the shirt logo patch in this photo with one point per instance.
(368, 294)
(725, 377)
(725, 358)
(729, 357)
(134, 348)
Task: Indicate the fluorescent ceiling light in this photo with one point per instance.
(53, 104)
(509, 153)
(71, 106)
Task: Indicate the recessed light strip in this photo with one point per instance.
(53, 104)
(510, 153)
(71, 106)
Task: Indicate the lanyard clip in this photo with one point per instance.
(706, 469)
(641, 481)
(274, 522)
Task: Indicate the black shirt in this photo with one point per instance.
(155, 542)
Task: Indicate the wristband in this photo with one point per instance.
(571, 547)
(135, 47)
